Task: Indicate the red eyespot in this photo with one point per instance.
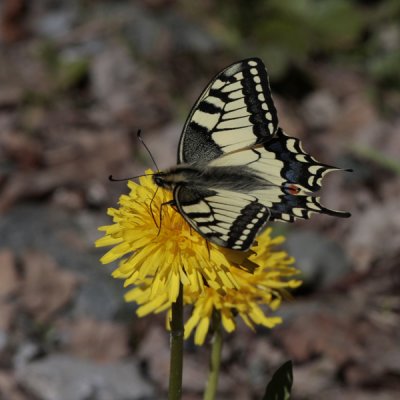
(292, 189)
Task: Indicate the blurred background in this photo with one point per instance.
(78, 78)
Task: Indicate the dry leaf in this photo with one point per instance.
(97, 340)
(9, 282)
(46, 287)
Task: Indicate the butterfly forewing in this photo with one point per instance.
(226, 218)
(234, 111)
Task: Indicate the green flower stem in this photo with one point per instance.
(176, 362)
(215, 361)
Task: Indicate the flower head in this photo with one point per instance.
(263, 288)
(153, 241)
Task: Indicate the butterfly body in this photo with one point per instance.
(237, 169)
(240, 179)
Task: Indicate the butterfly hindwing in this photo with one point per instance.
(224, 217)
(289, 173)
(298, 167)
(234, 111)
(293, 207)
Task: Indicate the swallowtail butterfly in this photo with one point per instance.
(237, 169)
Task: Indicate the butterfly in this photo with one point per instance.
(237, 169)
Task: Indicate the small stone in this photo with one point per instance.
(321, 261)
(63, 377)
(320, 110)
(9, 282)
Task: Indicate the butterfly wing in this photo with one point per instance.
(234, 111)
(234, 127)
(224, 217)
(291, 175)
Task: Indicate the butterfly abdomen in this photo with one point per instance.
(237, 178)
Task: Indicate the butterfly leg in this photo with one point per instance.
(208, 249)
(171, 203)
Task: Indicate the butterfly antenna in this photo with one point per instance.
(147, 149)
(112, 179)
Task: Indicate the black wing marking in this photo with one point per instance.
(300, 174)
(226, 218)
(234, 111)
(298, 167)
(292, 207)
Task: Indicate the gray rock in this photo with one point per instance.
(314, 377)
(126, 92)
(365, 244)
(62, 377)
(55, 24)
(67, 236)
(163, 144)
(321, 261)
(152, 33)
(112, 70)
(4, 338)
(25, 353)
(320, 110)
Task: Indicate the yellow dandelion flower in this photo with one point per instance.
(154, 242)
(263, 288)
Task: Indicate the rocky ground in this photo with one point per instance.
(77, 80)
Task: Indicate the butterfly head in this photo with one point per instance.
(165, 180)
